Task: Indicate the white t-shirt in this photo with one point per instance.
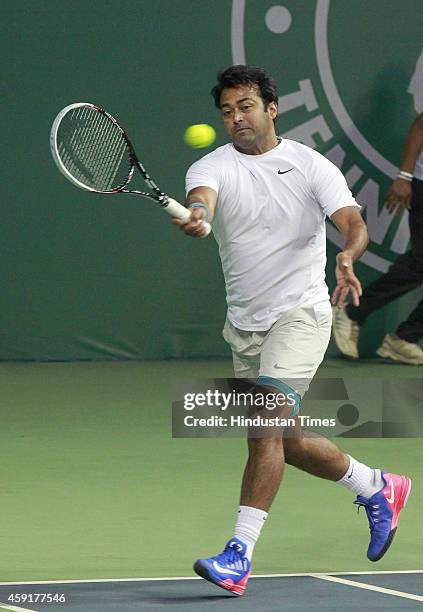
(269, 224)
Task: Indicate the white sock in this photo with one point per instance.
(248, 526)
(362, 479)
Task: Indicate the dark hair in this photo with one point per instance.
(245, 75)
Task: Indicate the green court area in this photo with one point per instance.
(94, 486)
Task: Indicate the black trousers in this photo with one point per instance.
(405, 274)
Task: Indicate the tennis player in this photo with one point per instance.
(267, 199)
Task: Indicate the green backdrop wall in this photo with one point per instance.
(90, 277)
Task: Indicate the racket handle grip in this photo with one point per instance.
(173, 208)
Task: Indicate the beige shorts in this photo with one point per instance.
(287, 355)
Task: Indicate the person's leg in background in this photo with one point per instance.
(404, 275)
(411, 330)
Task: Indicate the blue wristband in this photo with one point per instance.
(200, 205)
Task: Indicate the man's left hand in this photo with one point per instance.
(346, 281)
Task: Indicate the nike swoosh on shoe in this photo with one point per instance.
(224, 570)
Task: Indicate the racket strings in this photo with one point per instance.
(82, 137)
(68, 142)
(111, 139)
(97, 147)
(93, 149)
(105, 150)
(74, 158)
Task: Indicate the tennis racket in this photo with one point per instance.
(94, 153)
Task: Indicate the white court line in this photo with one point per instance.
(368, 587)
(15, 609)
(307, 574)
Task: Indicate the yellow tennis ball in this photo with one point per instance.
(199, 136)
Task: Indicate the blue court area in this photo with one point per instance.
(320, 592)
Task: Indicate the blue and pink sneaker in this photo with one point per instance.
(229, 570)
(383, 510)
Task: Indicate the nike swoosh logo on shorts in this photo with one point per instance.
(284, 171)
(224, 570)
(391, 499)
(278, 367)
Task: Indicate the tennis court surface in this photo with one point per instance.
(322, 592)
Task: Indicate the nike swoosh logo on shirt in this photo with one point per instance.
(391, 499)
(284, 171)
(224, 570)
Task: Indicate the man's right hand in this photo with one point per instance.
(194, 226)
(398, 196)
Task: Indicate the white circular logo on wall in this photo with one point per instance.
(349, 87)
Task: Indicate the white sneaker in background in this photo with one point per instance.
(400, 350)
(346, 333)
